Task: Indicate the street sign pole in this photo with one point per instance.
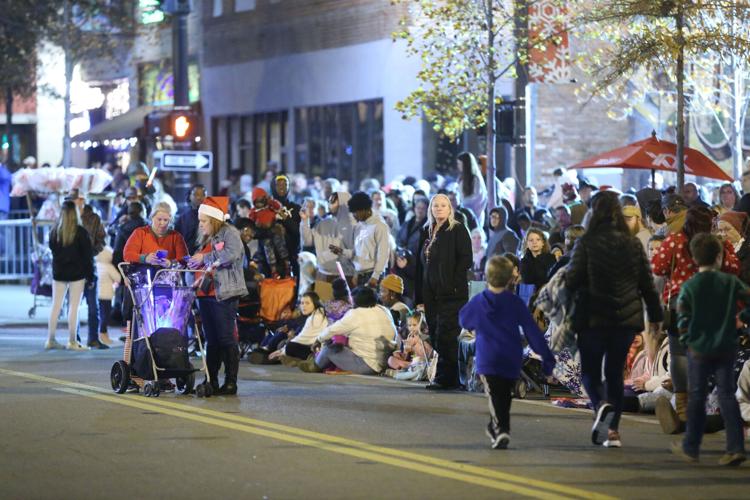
(180, 13)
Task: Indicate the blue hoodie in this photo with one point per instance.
(496, 319)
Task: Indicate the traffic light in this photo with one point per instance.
(183, 126)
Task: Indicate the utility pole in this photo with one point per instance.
(180, 9)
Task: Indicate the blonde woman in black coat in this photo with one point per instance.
(446, 257)
(72, 265)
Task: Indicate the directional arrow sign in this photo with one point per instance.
(185, 161)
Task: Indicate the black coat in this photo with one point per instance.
(445, 274)
(535, 270)
(75, 261)
(123, 233)
(612, 271)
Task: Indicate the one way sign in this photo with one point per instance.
(185, 161)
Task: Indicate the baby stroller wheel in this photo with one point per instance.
(32, 312)
(184, 385)
(119, 377)
(204, 390)
(521, 389)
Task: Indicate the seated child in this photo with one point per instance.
(299, 346)
(270, 233)
(412, 360)
(496, 315)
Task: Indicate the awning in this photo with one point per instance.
(122, 126)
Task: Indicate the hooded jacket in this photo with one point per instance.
(496, 318)
(336, 230)
(291, 224)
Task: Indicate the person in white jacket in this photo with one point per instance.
(361, 341)
(108, 277)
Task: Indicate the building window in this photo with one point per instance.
(156, 83)
(244, 5)
(218, 9)
(344, 141)
(249, 143)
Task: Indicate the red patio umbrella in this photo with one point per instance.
(655, 154)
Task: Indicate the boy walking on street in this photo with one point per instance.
(496, 315)
(707, 308)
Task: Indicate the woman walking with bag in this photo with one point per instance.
(610, 271)
(446, 259)
(72, 265)
(221, 286)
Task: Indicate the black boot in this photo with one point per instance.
(213, 362)
(231, 356)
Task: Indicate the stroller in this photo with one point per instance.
(41, 281)
(156, 341)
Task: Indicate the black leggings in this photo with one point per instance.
(296, 350)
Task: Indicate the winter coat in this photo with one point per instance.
(445, 272)
(123, 233)
(108, 274)
(75, 261)
(610, 271)
(535, 270)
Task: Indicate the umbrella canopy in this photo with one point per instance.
(655, 154)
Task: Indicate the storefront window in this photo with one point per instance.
(342, 140)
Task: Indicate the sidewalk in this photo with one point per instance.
(16, 302)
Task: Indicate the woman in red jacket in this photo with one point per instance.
(673, 261)
(146, 241)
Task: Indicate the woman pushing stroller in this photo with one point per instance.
(221, 287)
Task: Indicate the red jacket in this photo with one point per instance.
(676, 246)
(143, 241)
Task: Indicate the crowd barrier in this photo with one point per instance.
(18, 237)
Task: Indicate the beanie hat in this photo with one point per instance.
(738, 220)
(216, 207)
(359, 201)
(631, 211)
(393, 283)
(259, 192)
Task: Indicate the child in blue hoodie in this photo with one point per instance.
(496, 315)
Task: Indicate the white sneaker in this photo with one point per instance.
(53, 344)
(502, 441)
(75, 346)
(601, 424)
(613, 440)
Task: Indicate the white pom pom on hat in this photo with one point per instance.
(216, 207)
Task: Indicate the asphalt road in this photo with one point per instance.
(294, 435)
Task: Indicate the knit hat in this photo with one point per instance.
(216, 207)
(359, 201)
(393, 283)
(738, 220)
(259, 192)
(631, 211)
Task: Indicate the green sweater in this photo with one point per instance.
(706, 311)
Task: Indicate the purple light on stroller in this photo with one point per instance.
(164, 307)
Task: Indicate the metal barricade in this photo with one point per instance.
(17, 240)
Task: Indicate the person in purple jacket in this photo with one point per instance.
(495, 315)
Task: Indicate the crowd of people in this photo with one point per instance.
(638, 290)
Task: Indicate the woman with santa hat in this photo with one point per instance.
(221, 286)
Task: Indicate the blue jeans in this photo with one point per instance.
(610, 344)
(343, 358)
(219, 319)
(90, 293)
(699, 369)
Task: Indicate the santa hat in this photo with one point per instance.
(216, 207)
